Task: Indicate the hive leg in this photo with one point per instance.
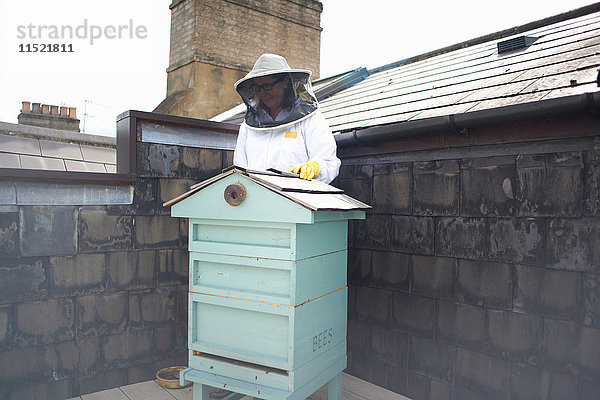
(334, 388)
(200, 391)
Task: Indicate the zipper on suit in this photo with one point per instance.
(267, 153)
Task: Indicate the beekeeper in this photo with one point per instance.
(283, 127)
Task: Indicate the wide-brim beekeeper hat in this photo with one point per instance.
(269, 64)
(304, 100)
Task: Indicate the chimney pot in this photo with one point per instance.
(53, 110)
(45, 109)
(64, 111)
(26, 107)
(36, 108)
(72, 112)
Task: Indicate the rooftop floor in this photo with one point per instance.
(352, 389)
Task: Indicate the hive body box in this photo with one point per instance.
(267, 288)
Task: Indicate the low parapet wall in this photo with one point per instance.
(474, 276)
(93, 270)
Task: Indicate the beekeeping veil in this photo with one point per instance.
(304, 102)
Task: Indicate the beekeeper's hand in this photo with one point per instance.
(307, 170)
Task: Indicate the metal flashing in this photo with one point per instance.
(8, 193)
(38, 193)
(186, 136)
(345, 81)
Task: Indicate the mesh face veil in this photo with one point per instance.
(298, 99)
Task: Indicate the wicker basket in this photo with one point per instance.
(169, 377)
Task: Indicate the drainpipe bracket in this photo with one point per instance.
(451, 122)
(356, 140)
(591, 104)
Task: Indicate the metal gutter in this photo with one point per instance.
(461, 123)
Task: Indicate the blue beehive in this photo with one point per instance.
(267, 283)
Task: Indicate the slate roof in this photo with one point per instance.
(313, 195)
(563, 60)
(31, 147)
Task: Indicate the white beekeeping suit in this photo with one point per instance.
(297, 135)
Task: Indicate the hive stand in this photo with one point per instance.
(201, 391)
(267, 284)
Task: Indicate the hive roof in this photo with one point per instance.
(313, 195)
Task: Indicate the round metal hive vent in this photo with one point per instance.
(234, 194)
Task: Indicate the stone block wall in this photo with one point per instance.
(95, 296)
(477, 278)
(232, 34)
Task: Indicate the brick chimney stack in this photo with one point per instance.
(215, 43)
(49, 116)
